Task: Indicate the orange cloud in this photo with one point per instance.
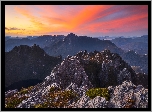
(86, 15)
(38, 24)
(89, 18)
(44, 23)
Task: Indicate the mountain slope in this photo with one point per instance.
(69, 82)
(137, 44)
(42, 41)
(24, 62)
(134, 59)
(72, 44)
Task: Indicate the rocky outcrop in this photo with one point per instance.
(35, 96)
(98, 69)
(10, 93)
(86, 102)
(128, 95)
(76, 74)
(106, 68)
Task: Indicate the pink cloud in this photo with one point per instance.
(89, 18)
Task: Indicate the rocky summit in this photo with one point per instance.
(126, 95)
(85, 80)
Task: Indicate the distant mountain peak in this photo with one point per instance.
(71, 34)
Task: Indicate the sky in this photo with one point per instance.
(89, 20)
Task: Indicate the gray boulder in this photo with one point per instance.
(127, 95)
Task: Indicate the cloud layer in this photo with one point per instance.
(91, 20)
(13, 28)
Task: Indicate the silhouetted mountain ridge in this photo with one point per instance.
(42, 41)
(134, 59)
(138, 44)
(24, 62)
(72, 44)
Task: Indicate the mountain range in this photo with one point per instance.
(76, 72)
(71, 44)
(85, 80)
(133, 50)
(137, 44)
(42, 41)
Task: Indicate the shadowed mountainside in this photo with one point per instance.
(24, 62)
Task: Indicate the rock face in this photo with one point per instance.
(86, 102)
(24, 62)
(69, 75)
(106, 68)
(76, 74)
(10, 93)
(99, 69)
(35, 97)
(69, 71)
(127, 95)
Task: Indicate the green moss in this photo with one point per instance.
(68, 94)
(103, 92)
(63, 98)
(30, 88)
(12, 102)
(23, 91)
(53, 89)
(43, 105)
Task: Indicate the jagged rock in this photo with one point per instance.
(73, 87)
(73, 74)
(105, 69)
(81, 102)
(124, 74)
(70, 70)
(98, 102)
(86, 102)
(127, 95)
(10, 93)
(98, 69)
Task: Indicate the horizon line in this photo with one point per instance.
(74, 34)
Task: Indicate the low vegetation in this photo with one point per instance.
(57, 98)
(13, 101)
(103, 92)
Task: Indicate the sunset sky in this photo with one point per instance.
(89, 20)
